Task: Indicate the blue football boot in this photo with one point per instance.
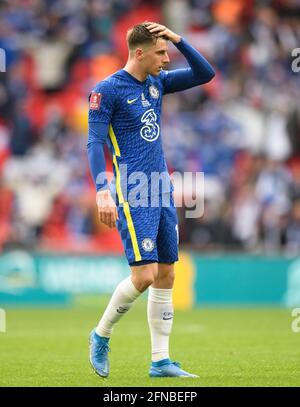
(167, 368)
(99, 354)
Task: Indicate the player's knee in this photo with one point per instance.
(170, 276)
(165, 277)
(142, 282)
(166, 280)
(142, 279)
(148, 281)
(143, 276)
(171, 279)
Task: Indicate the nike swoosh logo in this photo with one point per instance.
(122, 310)
(131, 101)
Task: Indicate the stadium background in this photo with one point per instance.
(242, 130)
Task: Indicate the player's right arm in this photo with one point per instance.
(199, 72)
(101, 105)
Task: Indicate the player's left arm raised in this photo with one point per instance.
(200, 70)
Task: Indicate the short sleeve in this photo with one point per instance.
(101, 103)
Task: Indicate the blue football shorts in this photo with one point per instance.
(149, 234)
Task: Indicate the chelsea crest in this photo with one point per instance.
(154, 92)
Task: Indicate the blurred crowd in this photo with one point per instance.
(242, 129)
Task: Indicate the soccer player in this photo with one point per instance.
(124, 112)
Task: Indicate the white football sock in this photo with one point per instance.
(160, 320)
(121, 301)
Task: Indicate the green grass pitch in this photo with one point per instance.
(226, 347)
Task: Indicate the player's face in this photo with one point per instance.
(156, 57)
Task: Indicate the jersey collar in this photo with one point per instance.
(133, 78)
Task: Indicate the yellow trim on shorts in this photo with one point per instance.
(132, 233)
(114, 141)
(118, 181)
(126, 208)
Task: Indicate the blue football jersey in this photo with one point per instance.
(132, 109)
(125, 113)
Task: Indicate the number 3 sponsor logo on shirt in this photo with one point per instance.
(150, 131)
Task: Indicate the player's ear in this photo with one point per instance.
(139, 54)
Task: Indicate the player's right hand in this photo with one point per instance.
(107, 209)
(162, 30)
